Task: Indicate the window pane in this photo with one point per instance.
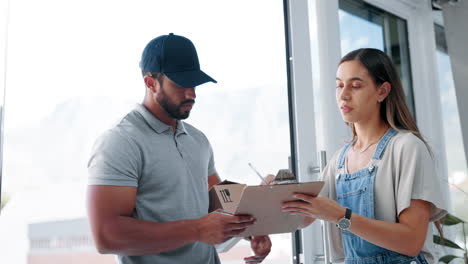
(455, 153)
(365, 26)
(3, 33)
(73, 72)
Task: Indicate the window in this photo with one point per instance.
(365, 26)
(455, 154)
(73, 72)
(3, 48)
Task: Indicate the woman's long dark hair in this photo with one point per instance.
(393, 110)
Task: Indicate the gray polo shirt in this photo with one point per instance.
(170, 172)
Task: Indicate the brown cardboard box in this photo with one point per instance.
(263, 202)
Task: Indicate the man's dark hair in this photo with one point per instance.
(157, 75)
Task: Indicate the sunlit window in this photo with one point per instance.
(365, 26)
(73, 72)
(455, 153)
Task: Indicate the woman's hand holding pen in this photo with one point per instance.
(319, 207)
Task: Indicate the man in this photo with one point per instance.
(150, 174)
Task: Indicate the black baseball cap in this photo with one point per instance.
(177, 58)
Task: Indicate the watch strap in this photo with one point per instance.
(348, 213)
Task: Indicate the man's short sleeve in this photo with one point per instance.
(211, 163)
(416, 177)
(115, 161)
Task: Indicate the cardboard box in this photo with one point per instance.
(263, 202)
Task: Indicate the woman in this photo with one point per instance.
(381, 190)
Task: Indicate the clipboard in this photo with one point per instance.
(263, 202)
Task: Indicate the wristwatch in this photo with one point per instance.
(345, 222)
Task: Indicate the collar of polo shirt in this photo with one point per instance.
(156, 124)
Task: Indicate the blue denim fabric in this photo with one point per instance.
(389, 257)
(356, 191)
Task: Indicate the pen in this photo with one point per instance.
(263, 179)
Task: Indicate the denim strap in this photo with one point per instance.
(383, 143)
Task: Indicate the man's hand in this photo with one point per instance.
(261, 246)
(218, 226)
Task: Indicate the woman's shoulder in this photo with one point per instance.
(406, 140)
(406, 137)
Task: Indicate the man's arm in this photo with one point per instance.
(213, 179)
(115, 231)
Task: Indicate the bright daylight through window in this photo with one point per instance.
(73, 72)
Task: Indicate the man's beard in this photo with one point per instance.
(172, 109)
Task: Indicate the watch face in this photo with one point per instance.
(344, 223)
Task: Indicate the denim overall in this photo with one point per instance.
(356, 191)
